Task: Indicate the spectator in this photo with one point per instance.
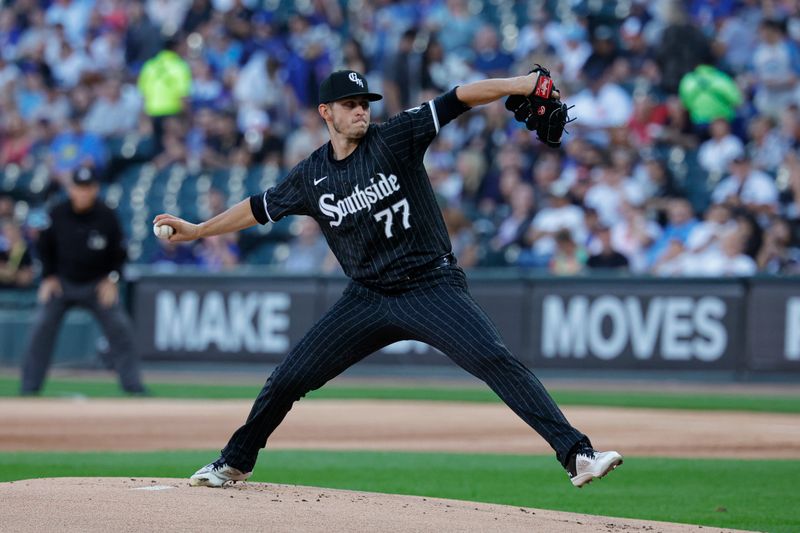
(680, 224)
(167, 15)
(789, 129)
(73, 15)
(308, 250)
(638, 57)
(74, 147)
(402, 75)
(115, 111)
(602, 104)
(70, 66)
(753, 236)
(15, 142)
(610, 190)
(546, 171)
(766, 148)
(165, 83)
(608, 258)
(490, 59)
(16, 263)
(198, 14)
(604, 52)
(633, 236)
(263, 142)
(736, 40)
(747, 188)
(776, 65)
(455, 27)
(716, 154)
(42, 135)
(647, 120)
(37, 35)
(540, 35)
(308, 137)
(30, 92)
(143, 39)
(569, 259)
(678, 130)
(574, 52)
(6, 212)
(658, 185)
(261, 84)
(709, 233)
(220, 51)
(683, 46)
(790, 201)
(777, 255)
(442, 70)
(557, 215)
(310, 55)
(170, 256)
(207, 89)
(236, 21)
(174, 148)
(9, 73)
(462, 236)
(217, 253)
(513, 228)
(55, 107)
(726, 260)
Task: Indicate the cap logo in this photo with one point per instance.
(355, 79)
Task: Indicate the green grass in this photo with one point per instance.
(657, 400)
(759, 495)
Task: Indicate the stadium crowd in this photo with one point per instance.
(683, 160)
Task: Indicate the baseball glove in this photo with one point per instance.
(542, 111)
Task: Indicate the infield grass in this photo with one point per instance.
(651, 399)
(756, 495)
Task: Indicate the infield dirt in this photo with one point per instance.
(158, 424)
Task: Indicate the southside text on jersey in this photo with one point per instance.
(359, 199)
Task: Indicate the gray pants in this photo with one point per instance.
(113, 320)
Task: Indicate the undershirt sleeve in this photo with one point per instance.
(449, 107)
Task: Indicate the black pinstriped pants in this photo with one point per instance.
(436, 309)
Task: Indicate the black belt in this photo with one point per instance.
(443, 261)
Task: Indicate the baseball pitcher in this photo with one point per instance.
(368, 190)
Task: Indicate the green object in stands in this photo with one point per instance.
(164, 82)
(708, 94)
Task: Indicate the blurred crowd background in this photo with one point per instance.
(683, 160)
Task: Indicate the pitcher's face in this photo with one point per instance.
(349, 117)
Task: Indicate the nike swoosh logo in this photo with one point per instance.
(317, 182)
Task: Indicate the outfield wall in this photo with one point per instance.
(738, 325)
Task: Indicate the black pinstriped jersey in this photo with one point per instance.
(376, 207)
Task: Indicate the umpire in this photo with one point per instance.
(82, 253)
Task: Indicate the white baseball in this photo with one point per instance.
(163, 231)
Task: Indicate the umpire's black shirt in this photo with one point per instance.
(82, 247)
(376, 207)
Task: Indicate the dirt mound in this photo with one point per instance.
(148, 504)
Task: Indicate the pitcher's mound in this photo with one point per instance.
(149, 504)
